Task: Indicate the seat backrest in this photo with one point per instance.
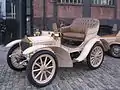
(82, 24)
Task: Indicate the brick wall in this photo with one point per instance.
(38, 8)
(49, 8)
(102, 12)
(69, 11)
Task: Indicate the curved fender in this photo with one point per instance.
(112, 43)
(12, 43)
(63, 57)
(36, 48)
(87, 49)
(105, 45)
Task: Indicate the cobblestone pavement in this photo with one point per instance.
(107, 77)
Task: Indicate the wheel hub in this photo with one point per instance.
(43, 68)
(116, 50)
(96, 55)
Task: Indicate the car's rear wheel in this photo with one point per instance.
(115, 51)
(42, 68)
(95, 57)
(14, 58)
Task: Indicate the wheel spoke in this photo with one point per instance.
(41, 61)
(99, 53)
(38, 74)
(92, 54)
(45, 75)
(41, 77)
(37, 64)
(14, 61)
(48, 62)
(49, 67)
(19, 66)
(12, 55)
(36, 70)
(96, 60)
(92, 62)
(45, 60)
(91, 57)
(48, 72)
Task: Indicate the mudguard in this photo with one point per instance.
(63, 57)
(105, 44)
(86, 49)
(114, 43)
(36, 48)
(9, 45)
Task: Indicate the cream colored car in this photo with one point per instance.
(42, 55)
(112, 39)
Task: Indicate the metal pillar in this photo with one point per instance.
(24, 17)
(21, 17)
(86, 8)
(29, 17)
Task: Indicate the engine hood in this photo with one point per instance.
(42, 40)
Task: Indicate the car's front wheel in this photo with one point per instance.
(14, 58)
(42, 68)
(95, 57)
(115, 51)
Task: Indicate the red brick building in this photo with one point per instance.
(48, 11)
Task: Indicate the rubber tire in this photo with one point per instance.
(9, 59)
(111, 52)
(29, 68)
(88, 57)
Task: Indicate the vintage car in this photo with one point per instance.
(112, 38)
(42, 55)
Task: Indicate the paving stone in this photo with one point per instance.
(107, 77)
(3, 87)
(55, 87)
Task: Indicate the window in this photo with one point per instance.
(103, 2)
(105, 30)
(10, 9)
(70, 1)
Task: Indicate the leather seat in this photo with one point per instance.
(75, 36)
(78, 29)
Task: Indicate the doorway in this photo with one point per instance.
(11, 24)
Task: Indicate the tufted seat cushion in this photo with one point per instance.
(79, 28)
